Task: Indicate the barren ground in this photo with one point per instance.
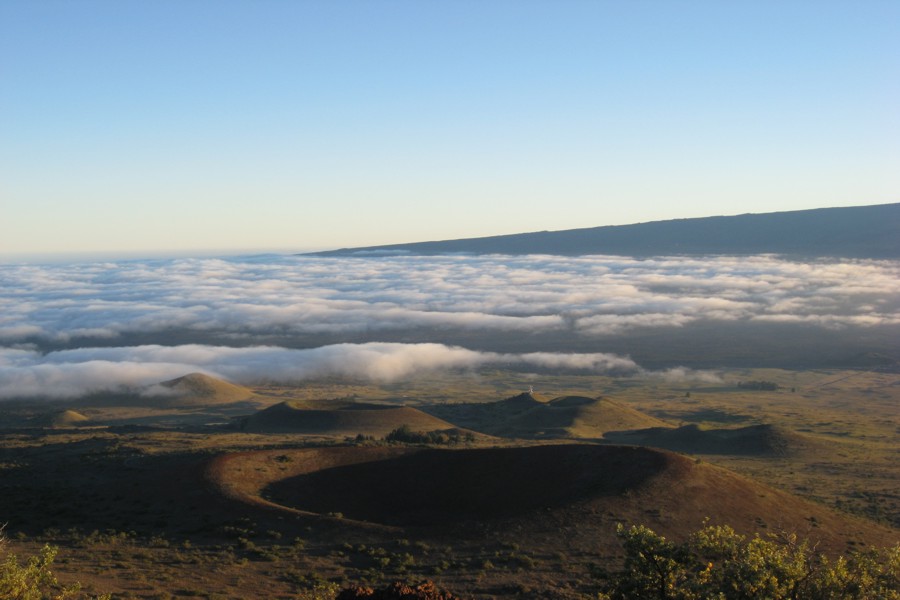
(138, 508)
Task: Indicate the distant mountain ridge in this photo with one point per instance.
(846, 232)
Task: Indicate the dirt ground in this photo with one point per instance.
(171, 503)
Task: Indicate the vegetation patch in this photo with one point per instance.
(716, 563)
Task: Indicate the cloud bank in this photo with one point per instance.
(74, 373)
(195, 312)
(284, 296)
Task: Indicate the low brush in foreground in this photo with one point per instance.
(398, 590)
(717, 563)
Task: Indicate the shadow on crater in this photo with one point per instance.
(434, 487)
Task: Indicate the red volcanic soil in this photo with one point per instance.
(398, 590)
(440, 486)
(754, 440)
(568, 496)
(369, 419)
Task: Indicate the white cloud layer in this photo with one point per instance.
(587, 296)
(74, 373)
(250, 300)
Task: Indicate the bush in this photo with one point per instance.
(768, 386)
(33, 580)
(405, 435)
(717, 563)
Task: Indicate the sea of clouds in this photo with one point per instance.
(62, 326)
(73, 373)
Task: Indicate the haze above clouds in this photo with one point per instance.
(69, 329)
(133, 128)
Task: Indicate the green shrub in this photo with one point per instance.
(405, 435)
(717, 563)
(758, 385)
(33, 580)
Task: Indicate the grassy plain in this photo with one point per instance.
(128, 498)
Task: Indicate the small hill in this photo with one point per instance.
(574, 417)
(527, 416)
(873, 361)
(848, 232)
(368, 419)
(484, 417)
(755, 440)
(521, 402)
(195, 389)
(67, 418)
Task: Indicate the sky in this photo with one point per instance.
(135, 129)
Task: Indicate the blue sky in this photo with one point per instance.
(131, 128)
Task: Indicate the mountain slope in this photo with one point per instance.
(754, 440)
(368, 419)
(196, 389)
(574, 417)
(525, 416)
(849, 232)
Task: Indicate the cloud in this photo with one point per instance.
(685, 375)
(593, 362)
(612, 323)
(75, 373)
(368, 297)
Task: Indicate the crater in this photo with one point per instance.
(426, 487)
